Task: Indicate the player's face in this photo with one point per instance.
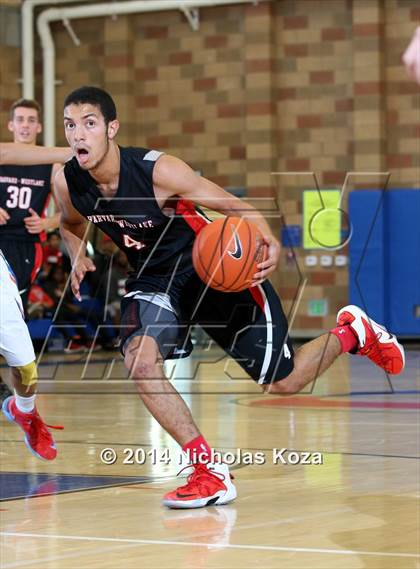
(25, 125)
(87, 134)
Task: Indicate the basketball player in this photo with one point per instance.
(144, 200)
(15, 342)
(24, 195)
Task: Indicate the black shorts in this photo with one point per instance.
(25, 258)
(250, 325)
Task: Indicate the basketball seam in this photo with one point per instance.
(221, 239)
(249, 228)
(251, 260)
(257, 251)
(208, 274)
(231, 285)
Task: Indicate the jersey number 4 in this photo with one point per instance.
(130, 242)
(19, 197)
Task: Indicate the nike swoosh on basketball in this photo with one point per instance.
(184, 495)
(237, 253)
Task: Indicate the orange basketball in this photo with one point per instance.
(226, 253)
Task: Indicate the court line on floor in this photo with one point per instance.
(279, 421)
(204, 544)
(351, 420)
(317, 409)
(80, 383)
(330, 402)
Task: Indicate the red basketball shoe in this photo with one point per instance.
(38, 438)
(74, 346)
(375, 341)
(208, 485)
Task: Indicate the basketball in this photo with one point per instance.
(226, 253)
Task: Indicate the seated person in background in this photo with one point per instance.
(52, 253)
(103, 259)
(38, 302)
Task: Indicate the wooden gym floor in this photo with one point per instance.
(359, 509)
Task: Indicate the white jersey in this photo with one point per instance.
(15, 341)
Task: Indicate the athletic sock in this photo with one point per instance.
(197, 450)
(346, 337)
(25, 404)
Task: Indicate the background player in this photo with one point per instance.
(24, 196)
(24, 154)
(101, 184)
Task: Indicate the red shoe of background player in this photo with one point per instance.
(375, 341)
(75, 346)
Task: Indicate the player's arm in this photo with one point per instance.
(35, 223)
(73, 229)
(172, 177)
(53, 221)
(27, 155)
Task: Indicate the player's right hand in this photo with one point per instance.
(4, 216)
(81, 267)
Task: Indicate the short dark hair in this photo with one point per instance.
(53, 233)
(27, 104)
(93, 96)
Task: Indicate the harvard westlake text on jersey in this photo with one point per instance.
(21, 188)
(155, 243)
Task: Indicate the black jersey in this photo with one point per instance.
(155, 243)
(21, 188)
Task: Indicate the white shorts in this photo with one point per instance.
(15, 341)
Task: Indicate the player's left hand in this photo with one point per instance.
(34, 223)
(268, 266)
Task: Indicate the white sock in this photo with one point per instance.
(25, 404)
